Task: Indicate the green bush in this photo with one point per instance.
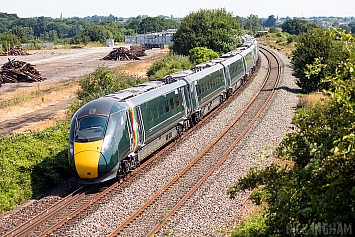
(201, 54)
(101, 82)
(317, 185)
(167, 65)
(32, 163)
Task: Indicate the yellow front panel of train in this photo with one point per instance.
(87, 155)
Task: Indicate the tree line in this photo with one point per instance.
(75, 30)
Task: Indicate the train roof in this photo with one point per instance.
(101, 106)
(131, 92)
(203, 73)
(177, 76)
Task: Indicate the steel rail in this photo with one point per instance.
(68, 201)
(224, 158)
(27, 226)
(163, 189)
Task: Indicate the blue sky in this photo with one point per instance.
(177, 8)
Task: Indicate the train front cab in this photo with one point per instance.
(98, 141)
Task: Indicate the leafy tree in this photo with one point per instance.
(134, 23)
(317, 185)
(255, 24)
(101, 82)
(201, 54)
(214, 29)
(352, 27)
(316, 44)
(156, 24)
(274, 29)
(41, 26)
(271, 21)
(7, 40)
(97, 33)
(346, 28)
(297, 26)
(20, 32)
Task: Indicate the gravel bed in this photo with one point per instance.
(210, 212)
(30, 209)
(210, 209)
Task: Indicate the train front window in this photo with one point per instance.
(91, 128)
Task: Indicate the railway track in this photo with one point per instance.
(78, 203)
(150, 217)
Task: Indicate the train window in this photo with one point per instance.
(199, 89)
(166, 106)
(172, 103)
(91, 128)
(177, 101)
(157, 114)
(149, 115)
(161, 110)
(154, 113)
(211, 83)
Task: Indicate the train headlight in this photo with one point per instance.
(71, 150)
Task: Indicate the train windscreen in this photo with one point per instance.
(91, 128)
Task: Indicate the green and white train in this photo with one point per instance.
(111, 135)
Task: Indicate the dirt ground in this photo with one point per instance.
(46, 102)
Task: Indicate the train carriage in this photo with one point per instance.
(98, 140)
(164, 112)
(207, 90)
(109, 136)
(234, 70)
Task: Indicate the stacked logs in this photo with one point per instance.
(15, 50)
(138, 50)
(124, 54)
(17, 71)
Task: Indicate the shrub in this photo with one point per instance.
(201, 54)
(101, 82)
(167, 65)
(32, 163)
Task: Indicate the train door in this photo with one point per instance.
(194, 96)
(137, 131)
(185, 101)
(228, 79)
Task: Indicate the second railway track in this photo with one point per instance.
(148, 219)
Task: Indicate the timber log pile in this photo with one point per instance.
(15, 50)
(124, 54)
(17, 71)
(138, 50)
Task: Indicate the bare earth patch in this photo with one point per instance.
(46, 102)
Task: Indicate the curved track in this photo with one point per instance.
(177, 191)
(150, 217)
